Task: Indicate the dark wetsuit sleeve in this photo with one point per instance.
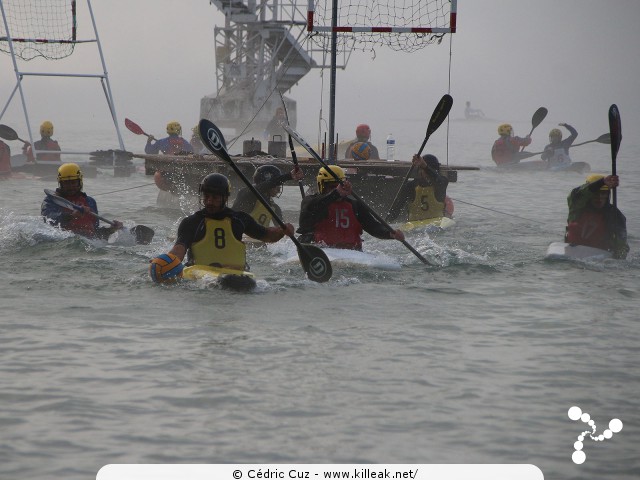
(249, 226)
(567, 142)
(189, 228)
(369, 223)
(440, 184)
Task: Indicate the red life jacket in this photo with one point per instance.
(84, 224)
(589, 229)
(44, 144)
(502, 151)
(341, 228)
(175, 145)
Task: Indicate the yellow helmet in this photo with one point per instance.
(46, 129)
(174, 128)
(505, 129)
(325, 177)
(555, 134)
(69, 171)
(594, 177)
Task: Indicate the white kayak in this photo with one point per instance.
(346, 257)
(566, 251)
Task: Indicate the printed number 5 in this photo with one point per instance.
(342, 219)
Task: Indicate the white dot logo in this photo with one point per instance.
(575, 414)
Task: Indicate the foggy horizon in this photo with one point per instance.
(508, 59)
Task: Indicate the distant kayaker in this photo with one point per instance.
(79, 222)
(268, 180)
(174, 144)
(5, 159)
(472, 113)
(213, 235)
(505, 149)
(556, 153)
(334, 218)
(45, 143)
(363, 135)
(593, 221)
(425, 196)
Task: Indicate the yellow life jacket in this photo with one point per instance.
(261, 215)
(425, 205)
(219, 247)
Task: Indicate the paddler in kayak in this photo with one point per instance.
(268, 180)
(79, 222)
(335, 219)
(213, 235)
(45, 143)
(556, 153)
(174, 144)
(505, 149)
(425, 196)
(593, 221)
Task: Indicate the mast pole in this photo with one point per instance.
(332, 91)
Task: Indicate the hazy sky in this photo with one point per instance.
(576, 57)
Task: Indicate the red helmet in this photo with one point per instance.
(363, 130)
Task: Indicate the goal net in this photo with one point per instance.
(38, 28)
(402, 25)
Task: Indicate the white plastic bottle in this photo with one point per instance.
(391, 148)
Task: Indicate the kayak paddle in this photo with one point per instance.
(314, 261)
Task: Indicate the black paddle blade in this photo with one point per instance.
(213, 139)
(143, 234)
(8, 133)
(314, 262)
(615, 129)
(440, 113)
(538, 117)
(604, 138)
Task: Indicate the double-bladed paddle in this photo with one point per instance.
(143, 234)
(537, 118)
(313, 153)
(604, 138)
(437, 117)
(615, 128)
(314, 261)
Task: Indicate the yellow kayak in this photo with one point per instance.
(230, 278)
(437, 223)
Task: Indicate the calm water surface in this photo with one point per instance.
(475, 361)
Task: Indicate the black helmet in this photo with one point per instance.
(432, 161)
(215, 183)
(266, 173)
